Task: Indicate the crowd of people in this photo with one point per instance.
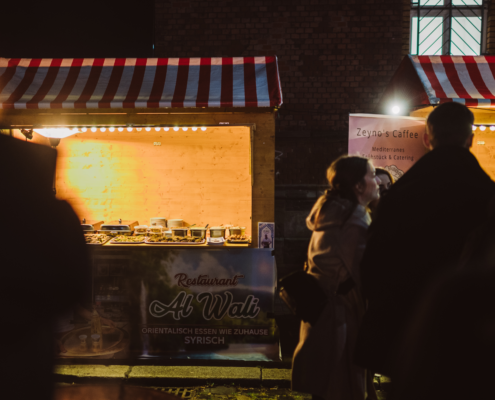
(408, 270)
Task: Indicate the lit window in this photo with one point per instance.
(448, 27)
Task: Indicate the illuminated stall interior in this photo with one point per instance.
(199, 174)
(421, 82)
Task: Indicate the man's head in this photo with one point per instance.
(449, 124)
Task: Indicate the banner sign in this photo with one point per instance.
(205, 304)
(393, 143)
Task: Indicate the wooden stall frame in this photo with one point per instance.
(260, 121)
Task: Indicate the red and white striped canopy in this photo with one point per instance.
(468, 79)
(139, 83)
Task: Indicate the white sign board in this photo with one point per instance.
(390, 142)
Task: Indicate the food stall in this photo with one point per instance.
(422, 82)
(172, 160)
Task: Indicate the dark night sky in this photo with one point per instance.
(71, 28)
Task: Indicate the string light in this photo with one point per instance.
(176, 128)
(93, 129)
(139, 129)
(157, 129)
(474, 128)
(147, 129)
(203, 128)
(129, 129)
(166, 129)
(492, 128)
(103, 129)
(111, 129)
(195, 128)
(121, 129)
(482, 127)
(184, 128)
(84, 129)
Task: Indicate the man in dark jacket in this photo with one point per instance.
(419, 232)
(44, 266)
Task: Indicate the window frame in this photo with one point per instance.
(447, 11)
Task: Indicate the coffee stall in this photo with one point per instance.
(146, 144)
(422, 82)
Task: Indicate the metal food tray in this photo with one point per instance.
(99, 244)
(112, 242)
(177, 243)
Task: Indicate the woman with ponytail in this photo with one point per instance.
(323, 360)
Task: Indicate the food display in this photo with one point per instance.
(122, 239)
(156, 229)
(141, 230)
(175, 223)
(161, 221)
(198, 231)
(130, 232)
(160, 239)
(182, 232)
(119, 228)
(239, 239)
(96, 239)
(216, 241)
(89, 226)
(217, 231)
(237, 230)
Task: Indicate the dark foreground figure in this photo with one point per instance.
(44, 266)
(419, 232)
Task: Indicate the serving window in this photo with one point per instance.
(201, 176)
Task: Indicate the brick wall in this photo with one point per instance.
(335, 58)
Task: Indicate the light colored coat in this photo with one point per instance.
(322, 363)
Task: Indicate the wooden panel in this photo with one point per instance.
(202, 177)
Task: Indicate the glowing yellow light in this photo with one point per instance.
(157, 129)
(176, 128)
(184, 128)
(474, 128)
(84, 129)
(56, 133)
(139, 129)
(129, 129)
(194, 128)
(121, 129)
(103, 129)
(93, 129)
(492, 128)
(111, 129)
(203, 128)
(482, 127)
(147, 129)
(166, 129)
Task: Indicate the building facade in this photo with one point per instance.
(335, 58)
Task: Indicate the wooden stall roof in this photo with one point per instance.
(150, 83)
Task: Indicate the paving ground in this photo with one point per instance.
(223, 392)
(196, 383)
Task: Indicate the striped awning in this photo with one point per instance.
(464, 79)
(139, 83)
(429, 80)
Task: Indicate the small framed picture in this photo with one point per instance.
(266, 235)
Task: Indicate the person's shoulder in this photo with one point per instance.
(360, 218)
